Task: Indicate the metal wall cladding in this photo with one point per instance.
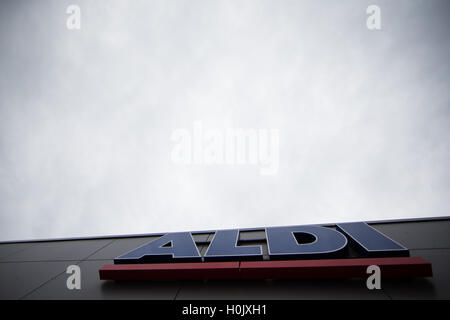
(37, 270)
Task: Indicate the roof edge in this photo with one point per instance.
(140, 235)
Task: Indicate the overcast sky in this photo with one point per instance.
(86, 116)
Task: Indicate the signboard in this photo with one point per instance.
(345, 250)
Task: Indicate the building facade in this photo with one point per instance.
(38, 269)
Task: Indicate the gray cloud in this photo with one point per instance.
(86, 116)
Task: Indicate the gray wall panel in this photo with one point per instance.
(58, 250)
(201, 237)
(9, 249)
(94, 288)
(436, 287)
(252, 235)
(119, 247)
(418, 235)
(19, 278)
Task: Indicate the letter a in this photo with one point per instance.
(74, 281)
(374, 20)
(74, 20)
(374, 280)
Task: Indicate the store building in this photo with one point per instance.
(38, 269)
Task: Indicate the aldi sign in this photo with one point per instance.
(345, 250)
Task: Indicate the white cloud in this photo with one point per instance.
(86, 116)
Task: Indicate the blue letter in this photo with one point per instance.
(172, 246)
(320, 242)
(371, 242)
(224, 245)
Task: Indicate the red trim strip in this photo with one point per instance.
(171, 271)
(398, 267)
